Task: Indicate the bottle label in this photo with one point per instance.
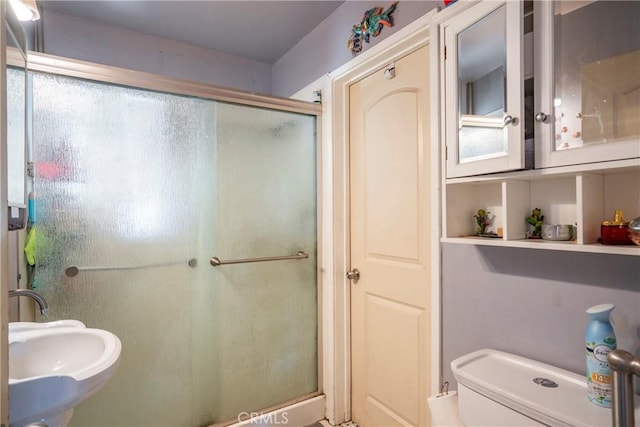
(599, 387)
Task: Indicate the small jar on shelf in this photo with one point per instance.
(615, 232)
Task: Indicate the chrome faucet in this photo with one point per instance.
(42, 303)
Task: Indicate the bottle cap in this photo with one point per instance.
(600, 308)
(618, 219)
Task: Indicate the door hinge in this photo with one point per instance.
(446, 152)
(445, 53)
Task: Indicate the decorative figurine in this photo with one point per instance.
(536, 219)
(372, 22)
(482, 222)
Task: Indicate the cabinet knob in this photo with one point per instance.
(510, 120)
(541, 117)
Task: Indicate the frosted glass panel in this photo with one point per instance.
(266, 167)
(482, 143)
(128, 179)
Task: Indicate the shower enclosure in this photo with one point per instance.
(137, 186)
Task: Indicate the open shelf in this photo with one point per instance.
(583, 199)
(631, 250)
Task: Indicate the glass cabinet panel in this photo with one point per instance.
(482, 61)
(588, 80)
(484, 89)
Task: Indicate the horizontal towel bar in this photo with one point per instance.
(215, 261)
(73, 270)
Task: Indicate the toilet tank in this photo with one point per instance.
(502, 389)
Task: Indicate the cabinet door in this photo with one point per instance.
(483, 97)
(587, 81)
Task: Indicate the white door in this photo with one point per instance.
(390, 232)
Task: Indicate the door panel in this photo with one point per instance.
(390, 219)
(393, 339)
(384, 166)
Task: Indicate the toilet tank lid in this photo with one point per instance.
(509, 380)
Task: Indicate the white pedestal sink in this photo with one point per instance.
(54, 366)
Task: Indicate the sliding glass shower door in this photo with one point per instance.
(135, 191)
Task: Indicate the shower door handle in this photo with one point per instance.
(354, 275)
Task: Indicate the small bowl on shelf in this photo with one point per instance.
(634, 231)
(557, 232)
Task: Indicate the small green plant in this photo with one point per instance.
(482, 221)
(535, 220)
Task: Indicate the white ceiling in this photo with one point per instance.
(260, 30)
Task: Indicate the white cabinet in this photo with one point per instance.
(483, 97)
(587, 78)
(587, 132)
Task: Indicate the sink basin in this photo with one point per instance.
(54, 366)
(29, 326)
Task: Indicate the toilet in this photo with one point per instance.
(502, 389)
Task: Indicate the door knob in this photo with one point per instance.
(353, 274)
